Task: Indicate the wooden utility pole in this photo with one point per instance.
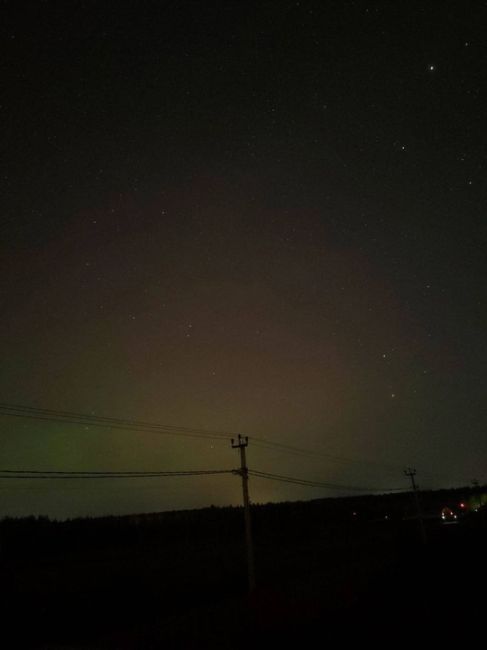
(241, 443)
(412, 473)
(475, 484)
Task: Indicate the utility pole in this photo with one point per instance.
(475, 484)
(480, 509)
(241, 443)
(412, 473)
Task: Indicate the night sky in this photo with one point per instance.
(259, 217)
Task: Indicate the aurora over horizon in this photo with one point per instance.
(264, 219)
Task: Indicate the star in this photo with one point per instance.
(431, 68)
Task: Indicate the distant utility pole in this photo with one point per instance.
(475, 484)
(412, 473)
(241, 443)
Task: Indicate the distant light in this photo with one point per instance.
(431, 68)
(462, 505)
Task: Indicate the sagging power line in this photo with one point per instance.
(83, 419)
(125, 424)
(58, 474)
(301, 451)
(310, 483)
(96, 474)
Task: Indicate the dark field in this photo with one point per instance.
(178, 580)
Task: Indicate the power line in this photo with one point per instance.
(307, 452)
(310, 483)
(119, 473)
(92, 416)
(125, 424)
(80, 477)
(66, 417)
(69, 417)
(295, 480)
(95, 474)
(301, 451)
(56, 474)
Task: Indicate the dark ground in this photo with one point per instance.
(178, 580)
